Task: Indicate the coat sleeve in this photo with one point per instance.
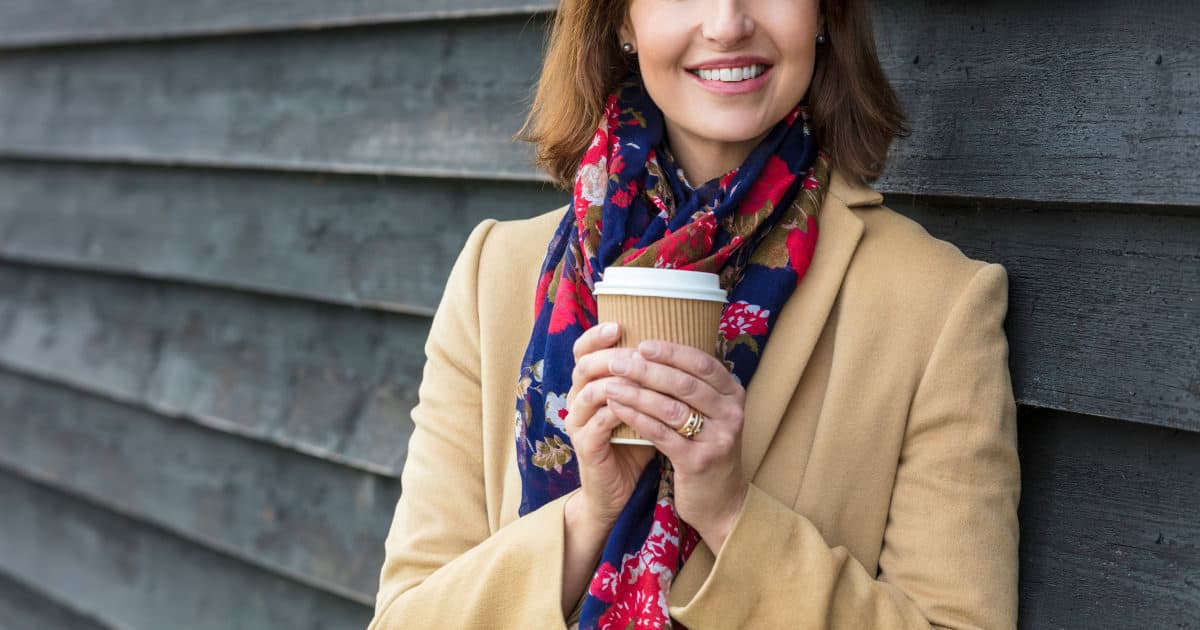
(949, 551)
(443, 567)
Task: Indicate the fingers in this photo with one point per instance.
(595, 338)
(664, 438)
(599, 336)
(582, 406)
(672, 382)
(592, 355)
(693, 361)
(587, 403)
(647, 401)
(592, 437)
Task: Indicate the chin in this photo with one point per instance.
(731, 127)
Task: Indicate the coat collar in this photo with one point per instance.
(803, 317)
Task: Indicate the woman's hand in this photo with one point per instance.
(608, 473)
(710, 486)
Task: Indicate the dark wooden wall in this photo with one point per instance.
(224, 226)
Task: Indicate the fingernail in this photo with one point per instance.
(648, 348)
(608, 329)
(619, 366)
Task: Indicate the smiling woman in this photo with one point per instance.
(826, 45)
(847, 456)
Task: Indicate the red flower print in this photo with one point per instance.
(572, 304)
(772, 182)
(604, 583)
(792, 116)
(688, 543)
(728, 178)
(810, 182)
(539, 297)
(662, 544)
(640, 605)
(691, 242)
(633, 254)
(744, 318)
(622, 198)
(616, 165)
(800, 246)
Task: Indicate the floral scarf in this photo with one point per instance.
(755, 226)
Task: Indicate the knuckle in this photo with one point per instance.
(658, 430)
(591, 392)
(576, 375)
(737, 418)
(677, 411)
(637, 364)
(684, 384)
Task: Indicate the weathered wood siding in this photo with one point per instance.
(224, 227)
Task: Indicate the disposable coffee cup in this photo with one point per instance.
(673, 305)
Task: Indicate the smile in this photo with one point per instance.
(732, 81)
(730, 75)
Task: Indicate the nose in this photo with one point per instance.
(726, 23)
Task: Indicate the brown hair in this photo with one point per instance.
(855, 111)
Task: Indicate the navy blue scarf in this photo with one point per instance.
(755, 226)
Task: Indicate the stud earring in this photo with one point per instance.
(821, 38)
(627, 47)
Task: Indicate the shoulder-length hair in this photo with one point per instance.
(855, 111)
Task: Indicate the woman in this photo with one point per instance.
(848, 460)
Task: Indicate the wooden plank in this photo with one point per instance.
(133, 576)
(362, 241)
(413, 99)
(333, 382)
(1107, 525)
(1109, 534)
(1104, 307)
(1109, 272)
(319, 523)
(23, 608)
(1081, 101)
(1005, 98)
(33, 23)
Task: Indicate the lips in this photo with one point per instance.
(740, 61)
(734, 74)
(729, 81)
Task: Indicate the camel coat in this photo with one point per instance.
(880, 438)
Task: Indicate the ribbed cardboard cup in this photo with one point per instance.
(673, 305)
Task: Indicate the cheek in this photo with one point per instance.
(660, 59)
(662, 37)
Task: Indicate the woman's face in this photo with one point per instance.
(691, 53)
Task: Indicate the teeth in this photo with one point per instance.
(732, 74)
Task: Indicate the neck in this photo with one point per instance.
(703, 159)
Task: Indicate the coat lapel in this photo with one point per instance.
(803, 317)
(792, 342)
(797, 330)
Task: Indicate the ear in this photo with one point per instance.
(625, 34)
(625, 30)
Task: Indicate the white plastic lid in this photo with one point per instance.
(655, 282)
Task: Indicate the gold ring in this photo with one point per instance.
(693, 426)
